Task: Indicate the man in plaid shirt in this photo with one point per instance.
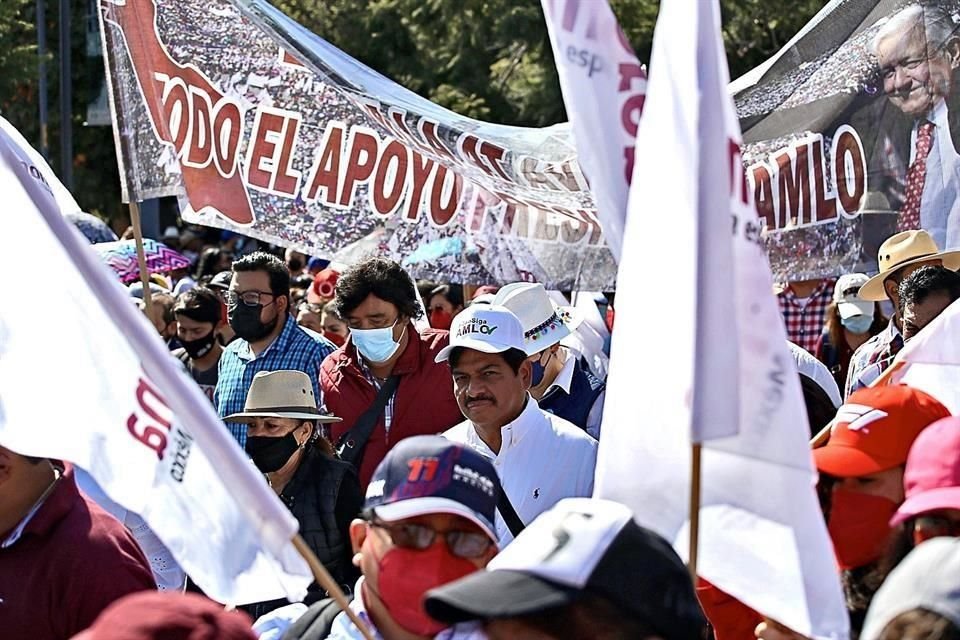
(803, 305)
(268, 336)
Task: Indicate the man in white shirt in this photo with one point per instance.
(918, 53)
(561, 384)
(539, 457)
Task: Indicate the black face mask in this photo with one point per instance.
(245, 322)
(199, 347)
(270, 454)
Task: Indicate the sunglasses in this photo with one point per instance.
(926, 527)
(463, 544)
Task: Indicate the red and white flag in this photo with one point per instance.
(700, 353)
(603, 89)
(88, 380)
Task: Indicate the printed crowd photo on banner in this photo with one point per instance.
(263, 128)
(851, 134)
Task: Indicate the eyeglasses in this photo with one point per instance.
(463, 544)
(250, 298)
(927, 527)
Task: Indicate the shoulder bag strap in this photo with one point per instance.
(351, 444)
(509, 514)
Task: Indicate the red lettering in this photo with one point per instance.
(494, 155)
(793, 179)
(363, 147)
(389, 183)
(201, 141)
(442, 213)
(146, 392)
(763, 195)
(271, 150)
(629, 72)
(421, 166)
(851, 182)
(177, 113)
(468, 147)
(736, 169)
(630, 114)
(151, 437)
(428, 129)
(826, 208)
(228, 124)
(325, 176)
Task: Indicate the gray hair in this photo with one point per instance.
(938, 25)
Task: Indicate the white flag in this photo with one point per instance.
(85, 378)
(700, 352)
(603, 89)
(39, 170)
(930, 361)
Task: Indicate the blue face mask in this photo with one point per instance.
(539, 370)
(376, 345)
(857, 324)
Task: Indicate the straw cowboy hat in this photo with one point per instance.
(901, 250)
(281, 394)
(544, 323)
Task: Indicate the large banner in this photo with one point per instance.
(851, 134)
(262, 127)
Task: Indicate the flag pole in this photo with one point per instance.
(141, 258)
(326, 581)
(694, 512)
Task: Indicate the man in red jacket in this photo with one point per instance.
(378, 300)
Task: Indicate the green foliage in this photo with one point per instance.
(487, 59)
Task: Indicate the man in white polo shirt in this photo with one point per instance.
(540, 457)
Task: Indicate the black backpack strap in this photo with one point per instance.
(351, 444)
(509, 514)
(316, 623)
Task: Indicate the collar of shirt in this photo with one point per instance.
(891, 333)
(244, 352)
(794, 299)
(565, 378)
(52, 506)
(512, 433)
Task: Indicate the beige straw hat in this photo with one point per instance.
(281, 394)
(901, 250)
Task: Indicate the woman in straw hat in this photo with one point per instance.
(323, 493)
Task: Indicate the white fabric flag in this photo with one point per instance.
(930, 361)
(603, 89)
(673, 377)
(38, 168)
(93, 384)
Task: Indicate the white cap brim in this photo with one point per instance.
(859, 308)
(476, 345)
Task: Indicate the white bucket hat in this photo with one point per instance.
(544, 323)
(280, 394)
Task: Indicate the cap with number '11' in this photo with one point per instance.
(581, 546)
(423, 475)
(874, 430)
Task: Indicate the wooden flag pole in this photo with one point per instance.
(325, 580)
(141, 258)
(694, 512)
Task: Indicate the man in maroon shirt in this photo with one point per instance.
(63, 559)
(378, 300)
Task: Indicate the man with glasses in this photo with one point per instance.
(427, 521)
(268, 337)
(918, 52)
(383, 382)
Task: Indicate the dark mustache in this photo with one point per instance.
(477, 398)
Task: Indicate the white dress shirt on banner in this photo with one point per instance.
(542, 459)
(940, 202)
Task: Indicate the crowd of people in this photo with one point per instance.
(437, 443)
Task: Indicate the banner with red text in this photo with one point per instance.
(264, 128)
(851, 134)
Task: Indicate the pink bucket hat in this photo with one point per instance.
(932, 475)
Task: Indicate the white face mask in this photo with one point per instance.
(376, 345)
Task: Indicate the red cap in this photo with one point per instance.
(873, 431)
(932, 477)
(152, 615)
(323, 287)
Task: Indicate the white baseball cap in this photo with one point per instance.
(486, 328)
(846, 295)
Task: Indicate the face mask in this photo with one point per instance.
(440, 319)
(538, 371)
(245, 321)
(405, 575)
(199, 347)
(857, 324)
(270, 454)
(376, 345)
(859, 526)
(335, 338)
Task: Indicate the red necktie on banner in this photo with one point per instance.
(916, 176)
